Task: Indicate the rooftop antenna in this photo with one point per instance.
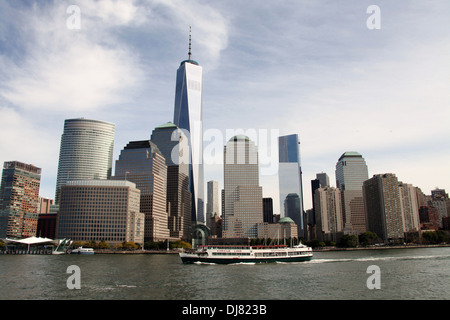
(189, 53)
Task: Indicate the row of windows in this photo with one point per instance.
(230, 254)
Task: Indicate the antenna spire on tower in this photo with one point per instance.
(189, 53)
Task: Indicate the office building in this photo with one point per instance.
(409, 207)
(328, 210)
(188, 115)
(290, 180)
(19, 200)
(351, 172)
(383, 207)
(323, 179)
(429, 218)
(213, 204)
(46, 227)
(268, 210)
(283, 229)
(440, 200)
(86, 151)
(173, 145)
(96, 210)
(243, 195)
(142, 163)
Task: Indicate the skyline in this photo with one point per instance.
(312, 69)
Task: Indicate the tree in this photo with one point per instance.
(348, 240)
(103, 245)
(180, 244)
(368, 238)
(130, 245)
(436, 237)
(314, 243)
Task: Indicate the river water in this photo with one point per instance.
(405, 274)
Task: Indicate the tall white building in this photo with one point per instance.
(86, 151)
(351, 172)
(242, 193)
(188, 115)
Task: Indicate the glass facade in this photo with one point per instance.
(142, 163)
(290, 180)
(188, 116)
(86, 151)
(173, 145)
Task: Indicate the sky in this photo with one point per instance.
(342, 76)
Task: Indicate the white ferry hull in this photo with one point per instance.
(258, 254)
(193, 258)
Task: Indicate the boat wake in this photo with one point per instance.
(206, 263)
(318, 261)
(229, 264)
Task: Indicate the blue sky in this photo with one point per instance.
(308, 67)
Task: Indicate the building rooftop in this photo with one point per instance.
(240, 137)
(286, 220)
(144, 144)
(189, 61)
(101, 183)
(351, 154)
(167, 126)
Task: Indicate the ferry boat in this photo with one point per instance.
(81, 250)
(247, 254)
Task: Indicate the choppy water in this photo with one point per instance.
(404, 274)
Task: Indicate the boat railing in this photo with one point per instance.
(237, 247)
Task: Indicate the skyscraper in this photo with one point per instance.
(188, 116)
(410, 207)
(351, 172)
(19, 200)
(213, 204)
(142, 163)
(243, 195)
(323, 179)
(439, 200)
(328, 211)
(173, 144)
(86, 151)
(290, 180)
(383, 206)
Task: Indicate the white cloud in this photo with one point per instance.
(209, 26)
(113, 12)
(24, 140)
(67, 69)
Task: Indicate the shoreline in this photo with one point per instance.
(325, 249)
(414, 246)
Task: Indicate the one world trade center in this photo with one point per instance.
(188, 116)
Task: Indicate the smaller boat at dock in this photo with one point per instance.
(81, 250)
